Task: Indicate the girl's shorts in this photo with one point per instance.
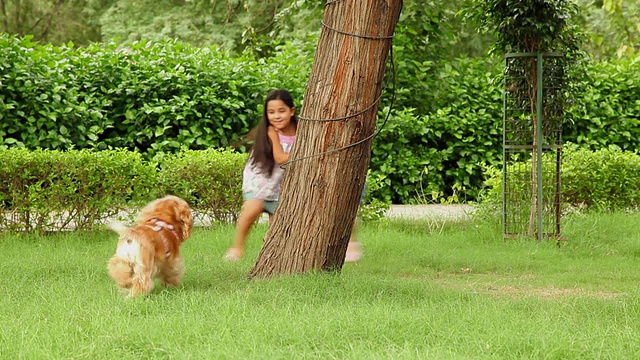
(269, 205)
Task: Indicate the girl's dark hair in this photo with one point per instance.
(262, 151)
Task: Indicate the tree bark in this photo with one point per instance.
(326, 172)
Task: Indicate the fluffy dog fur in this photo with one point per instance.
(151, 248)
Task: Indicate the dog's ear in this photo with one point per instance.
(186, 221)
(182, 217)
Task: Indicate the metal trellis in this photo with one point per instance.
(532, 144)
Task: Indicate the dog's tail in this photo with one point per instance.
(118, 227)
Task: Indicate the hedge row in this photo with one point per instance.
(51, 190)
(604, 179)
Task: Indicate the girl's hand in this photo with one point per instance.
(272, 132)
(278, 154)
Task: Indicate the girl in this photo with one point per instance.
(273, 138)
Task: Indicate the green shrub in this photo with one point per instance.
(46, 190)
(603, 179)
(40, 104)
(372, 209)
(210, 180)
(607, 178)
(608, 110)
(153, 97)
(405, 146)
(447, 149)
(51, 190)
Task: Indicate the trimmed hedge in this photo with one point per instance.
(210, 180)
(52, 190)
(44, 190)
(604, 179)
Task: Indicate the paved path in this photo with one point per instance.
(426, 212)
(431, 211)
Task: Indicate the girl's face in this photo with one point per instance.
(279, 114)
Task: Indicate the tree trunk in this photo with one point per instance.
(325, 175)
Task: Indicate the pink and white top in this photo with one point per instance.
(260, 185)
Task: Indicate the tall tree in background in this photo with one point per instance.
(199, 22)
(50, 21)
(325, 176)
(429, 31)
(29, 17)
(612, 26)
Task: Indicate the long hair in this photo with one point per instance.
(262, 151)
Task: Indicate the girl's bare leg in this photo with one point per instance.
(354, 249)
(251, 211)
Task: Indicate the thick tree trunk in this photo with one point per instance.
(325, 175)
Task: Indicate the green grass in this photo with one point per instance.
(459, 292)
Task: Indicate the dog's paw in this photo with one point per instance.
(172, 283)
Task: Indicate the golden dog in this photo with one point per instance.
(151, 249)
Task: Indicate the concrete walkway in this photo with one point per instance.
(431, 211)
(453, 212)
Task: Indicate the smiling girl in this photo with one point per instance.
(262, 176)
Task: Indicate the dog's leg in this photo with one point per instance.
(121, 272)
(172, 271)
(142, 275)
(142, 281)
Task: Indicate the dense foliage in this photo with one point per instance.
(162, 97)
(151, 97)
(607, 110)
(444, 149)
(611, 25)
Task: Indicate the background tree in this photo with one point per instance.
(612, 26)
(325, 176)
(201, 22)
(50, 21)
(535, 27)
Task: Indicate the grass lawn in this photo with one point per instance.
(420, 292)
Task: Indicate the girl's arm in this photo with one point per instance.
(279, 155)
